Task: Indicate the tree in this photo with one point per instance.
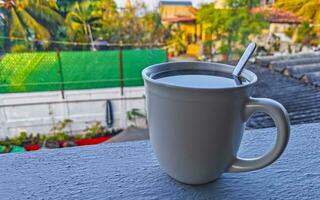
(27, 19)
(155, 32)
(177, 41)
(134, 25)
(131, 26)
(231, 27)
(86, 19)
(65, 5)
(110, 22)
(307, 9)
(81, 20)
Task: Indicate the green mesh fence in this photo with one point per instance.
(90, 70)
(134, 61)
(30, 72)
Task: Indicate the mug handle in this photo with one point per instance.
(280, 116)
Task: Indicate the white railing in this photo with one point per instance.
(39, 112)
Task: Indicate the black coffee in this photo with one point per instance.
(199, 79)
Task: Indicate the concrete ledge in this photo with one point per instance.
(130, 171)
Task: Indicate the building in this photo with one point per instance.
(281, 23)
(180, 16)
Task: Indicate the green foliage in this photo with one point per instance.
(2, 31)
(65, 5)
(177, 41)
(24, 139)
(30, 19)
(135, 114)
(207, 45)
(231, 27)
(20, 139)
(307, 9)
(95, 129)
(133, 25)
(59, 128)
(310, 12)
(19, 48)
(82, 19)
(35, 139)
(242, 3)
(305, 35)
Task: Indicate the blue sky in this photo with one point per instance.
(153, 3)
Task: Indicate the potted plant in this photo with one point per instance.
(32, 142)
(70, 141)
(58, 136)
(5, 146)
(16, 144)
(94, 134)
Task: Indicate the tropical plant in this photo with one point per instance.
(231, 27)
(59, 128)
(65, 5)
(82, 19)
(30, 19)
(95, 129)
(19, 140)
(135, 114)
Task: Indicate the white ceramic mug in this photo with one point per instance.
(196, 132)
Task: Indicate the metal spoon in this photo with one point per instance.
(244, 59)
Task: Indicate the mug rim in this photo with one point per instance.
(219, 67)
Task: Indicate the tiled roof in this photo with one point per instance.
(278, 16)
(293, 81)
(179, 19)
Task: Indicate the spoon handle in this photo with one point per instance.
(244, 59)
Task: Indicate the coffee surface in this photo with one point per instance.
(199, 79)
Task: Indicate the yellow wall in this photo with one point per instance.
(194, 50)
(192, 32)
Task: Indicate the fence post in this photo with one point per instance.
(167, 55)
(121, 70)
(3, 122)
(60, 73)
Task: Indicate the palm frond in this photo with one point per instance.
(40, 31)
(46, 14)
(16, 27)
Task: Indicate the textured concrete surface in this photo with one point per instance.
(131, 134)
(130, 171)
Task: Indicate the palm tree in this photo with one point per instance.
(81, 20)
(29, 18)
